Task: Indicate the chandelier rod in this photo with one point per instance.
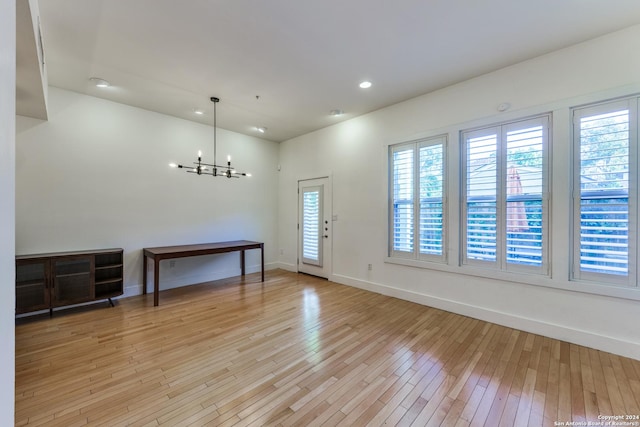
(215, 127)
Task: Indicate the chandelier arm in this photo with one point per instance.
(191, 170)
(211, 164)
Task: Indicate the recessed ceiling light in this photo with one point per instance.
(261, 129)
(336, 112)
(365, 84)
(100, 82)
(198, 112)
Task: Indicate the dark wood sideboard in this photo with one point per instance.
(50, 280)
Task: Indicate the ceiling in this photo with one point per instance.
(284, 64)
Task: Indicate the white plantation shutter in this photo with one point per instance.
(312, 225)
(403, 202)
(505, 203)
(604, 201)
(431, 198)
(524, 195)
(481, 195)
(416, 228)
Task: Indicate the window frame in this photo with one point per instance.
(415, 146)
(501, 131)
(630, 103)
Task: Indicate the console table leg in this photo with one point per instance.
(242, 262)
(144, 274)
(262, 261)
(156, 282)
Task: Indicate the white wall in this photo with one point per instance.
(355, 152)
(96, 175)
(7, 211)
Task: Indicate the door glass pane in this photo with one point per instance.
(312, 225)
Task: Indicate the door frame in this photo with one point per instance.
(327, 201)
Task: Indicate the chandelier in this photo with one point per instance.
(213, 169)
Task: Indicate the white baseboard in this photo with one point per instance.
(286, 266)
(560, 332)
(132, 290)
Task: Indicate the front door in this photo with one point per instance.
(314, 227)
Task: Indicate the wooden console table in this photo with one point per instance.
(169, 252)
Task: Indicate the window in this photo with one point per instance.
(417, 207)
(605, 200)
(505, 203)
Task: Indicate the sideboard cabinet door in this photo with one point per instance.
(72, 281)
(32, 285)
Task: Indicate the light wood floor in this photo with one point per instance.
(300, 351)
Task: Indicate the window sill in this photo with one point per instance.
(615, 291)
